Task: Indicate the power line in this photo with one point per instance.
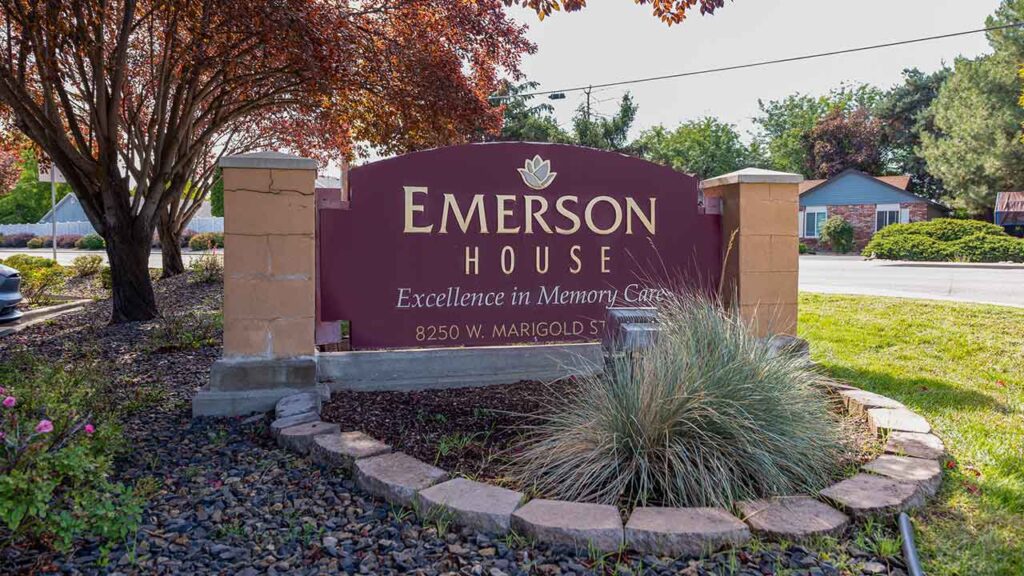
(761, 63)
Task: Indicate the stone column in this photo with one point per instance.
(269, 285)
(759, 237)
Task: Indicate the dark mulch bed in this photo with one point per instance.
(223, 499)
(464, 430)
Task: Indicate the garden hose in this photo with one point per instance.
(909, 550)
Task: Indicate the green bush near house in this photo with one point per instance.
(705, 417)
(837, 233)
(36, 242)
(91, 242)
(945, 240)
(206, 241)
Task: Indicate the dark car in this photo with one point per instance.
(10, 294)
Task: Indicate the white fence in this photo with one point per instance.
(203, 224)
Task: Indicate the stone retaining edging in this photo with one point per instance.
(903, 478)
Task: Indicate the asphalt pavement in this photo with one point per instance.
(1001, 284)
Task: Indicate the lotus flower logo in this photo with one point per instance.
(537, 173)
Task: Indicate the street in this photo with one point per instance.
(986, 283)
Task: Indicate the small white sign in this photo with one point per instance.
(52, 174)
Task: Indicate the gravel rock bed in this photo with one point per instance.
(225, 500)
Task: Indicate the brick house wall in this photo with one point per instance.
(862, 218)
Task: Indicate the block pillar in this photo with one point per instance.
(760, 246)
(269, 285)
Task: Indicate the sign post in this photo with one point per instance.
(53, 176)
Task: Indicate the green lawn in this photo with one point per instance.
(962, 367)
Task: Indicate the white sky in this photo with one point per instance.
(615, 39)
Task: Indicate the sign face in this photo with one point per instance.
(507, 243)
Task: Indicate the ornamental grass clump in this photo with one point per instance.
(705, 417)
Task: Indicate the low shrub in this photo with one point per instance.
(837, 233)
(40, 285)
(187, 331)
(942, 229)
(85, 266)
(38, 242)
(945, 240)
(206, 241)
(59, 442)
(705, 417)
(987, 248)
(205, 269)
(907, 247)
(68, 240)
(17, 240)
(106, 280)
(186, 237)
(26, 262)
(91, 242)
(803, 248)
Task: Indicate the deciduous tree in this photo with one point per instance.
(705, 148)
(145, 88)
(842, 140)
(783, 125)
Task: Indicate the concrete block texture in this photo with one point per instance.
(794, 518)
(473, 505)
(343, 449)
(867, 495)
(454, 367)
(575, 524)
(683, 531)
(396, 477)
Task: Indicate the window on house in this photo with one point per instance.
(814, 219)
(886, 214)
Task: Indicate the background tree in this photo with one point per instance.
(978, 149)
(29, 199)
(596, 130)
(783, 125)
(906, 115)
(151, 84)
(525, 121)
(706, 147)
(842, 140)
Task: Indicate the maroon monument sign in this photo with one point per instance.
(507, 243)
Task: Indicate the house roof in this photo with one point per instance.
(1010, 202)
(896, 183)
(901, 182)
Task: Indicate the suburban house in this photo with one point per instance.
(1010, 212)
(868, 203)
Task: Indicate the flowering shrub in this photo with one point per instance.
(17, 240)
(206, 268)
(57, 443)
(206, 241)
(68, 240)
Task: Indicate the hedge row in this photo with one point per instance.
(189, 239)
(945, 240)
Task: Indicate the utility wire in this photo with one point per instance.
(762, 62)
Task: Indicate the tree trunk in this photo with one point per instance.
(170, 246)
(128, 252)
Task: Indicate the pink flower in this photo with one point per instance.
(89, 429)
(10, 401)
(44, 426)
(3, 390)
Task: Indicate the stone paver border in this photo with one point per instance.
(903, 478)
